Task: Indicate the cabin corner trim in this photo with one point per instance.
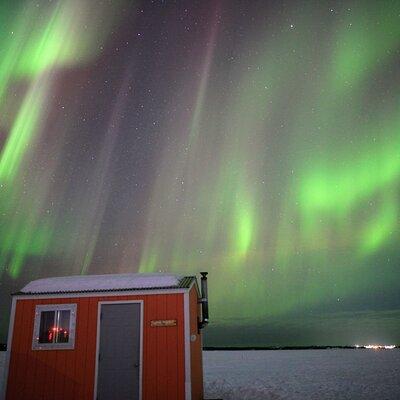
(188, 377)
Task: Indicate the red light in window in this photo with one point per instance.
(57, 333)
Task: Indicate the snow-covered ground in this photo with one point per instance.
(303, 374)
(298, 374)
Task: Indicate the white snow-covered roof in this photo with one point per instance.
(95, 283)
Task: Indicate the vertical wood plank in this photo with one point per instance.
(59, 376)
(15, 374)
(172, 345)
(181, 348)
(30, 372)
(28, 322)
(80, 347)
(151, 355)
(90, 348)
(50, 371)
(162, 349)
(69, 382)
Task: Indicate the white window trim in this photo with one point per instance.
(72, 324)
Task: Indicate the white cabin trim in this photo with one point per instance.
(188, 377)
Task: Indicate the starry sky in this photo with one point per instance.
(256, 140)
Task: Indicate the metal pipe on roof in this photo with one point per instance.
(204, 300)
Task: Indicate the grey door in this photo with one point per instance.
(119, 352)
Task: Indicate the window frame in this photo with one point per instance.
(72, 325)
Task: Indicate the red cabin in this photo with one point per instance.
(125, 337)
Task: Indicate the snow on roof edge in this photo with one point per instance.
(84, 283)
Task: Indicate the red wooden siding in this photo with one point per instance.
(69, 374)
(195, 347)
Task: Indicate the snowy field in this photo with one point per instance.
(299, 374)
(303, 374)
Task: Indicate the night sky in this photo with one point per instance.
(256, 140)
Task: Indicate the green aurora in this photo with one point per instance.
(34, 43)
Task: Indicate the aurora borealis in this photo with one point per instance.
(256, 140)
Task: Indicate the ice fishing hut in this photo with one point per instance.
(107, 337)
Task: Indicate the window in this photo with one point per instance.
(54, 327)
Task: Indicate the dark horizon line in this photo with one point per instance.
(327, 347)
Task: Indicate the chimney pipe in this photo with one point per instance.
(204, 300)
